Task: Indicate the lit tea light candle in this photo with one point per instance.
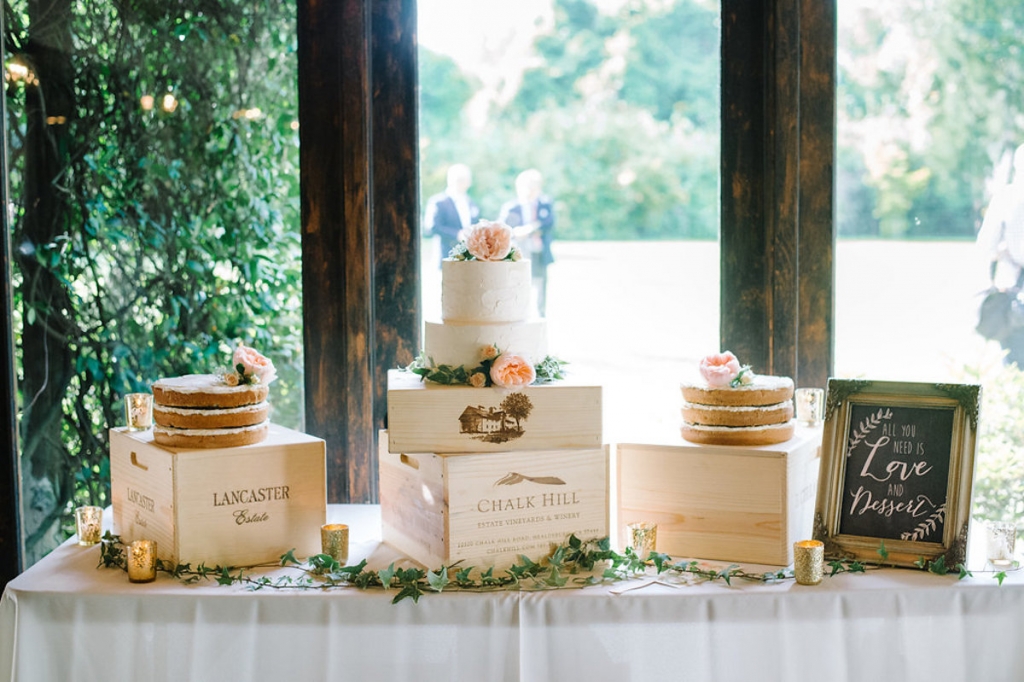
(334, 541)
(808, 561)
(142, 561)
(138, 411)
(643, 538)
(88, 525)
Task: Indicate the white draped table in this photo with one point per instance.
(66, 620)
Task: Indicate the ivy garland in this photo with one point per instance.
(563, 568)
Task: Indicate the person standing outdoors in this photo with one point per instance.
(1001, 240)
(452, 211)
(532, 219)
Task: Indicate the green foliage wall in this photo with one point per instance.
(176, 229)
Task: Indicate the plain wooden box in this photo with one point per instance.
(191, 501)
(487, 509)
(427, 417)
(741, 504)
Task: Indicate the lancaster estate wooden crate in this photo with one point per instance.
(227, 506)
(487, 509)
(742, 504)
(427, 417)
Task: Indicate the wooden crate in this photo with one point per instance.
(487, 509)
(226, 506)
(739, 504)
(427, 417)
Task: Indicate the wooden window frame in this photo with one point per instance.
(360, 217)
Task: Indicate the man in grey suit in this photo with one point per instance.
(532, 219)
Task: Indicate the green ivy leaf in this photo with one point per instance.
(438, 581)
(386, 575)
(1000, 576)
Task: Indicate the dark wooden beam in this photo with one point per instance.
(817, 240)
(357, 115)
(396, 242)
(778, 139)
(334, 128)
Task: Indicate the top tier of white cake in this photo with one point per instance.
(474, 291)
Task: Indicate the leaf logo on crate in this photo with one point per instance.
(497, 424)
(511, 478)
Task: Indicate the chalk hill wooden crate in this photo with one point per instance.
(426, 417)
(487, 509)
(746, 505)
(225, 506)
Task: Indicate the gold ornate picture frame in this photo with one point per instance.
(897, 467)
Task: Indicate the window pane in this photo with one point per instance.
(154, 204)
(930, 112)
(616, 105)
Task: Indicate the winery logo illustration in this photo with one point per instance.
(512, 478)
(497, 424)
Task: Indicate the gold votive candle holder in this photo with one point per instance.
(88, 525)
(334, 541)
(138, 411)
(643, 536)
(142, 561)
(808, 561)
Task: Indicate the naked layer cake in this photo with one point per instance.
(734, 406)
(215, 410)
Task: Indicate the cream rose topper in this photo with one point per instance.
(723, 369)
(251, 367)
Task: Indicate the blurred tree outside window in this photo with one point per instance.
(155, 219)
(930, 110)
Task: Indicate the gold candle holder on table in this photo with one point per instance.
(334, 541)
(810, 406)
(142, 561)
(808, 561)
(88, 525)
(138, 411)
(643, 536)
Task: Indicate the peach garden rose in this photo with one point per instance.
(489, 241)
(719, 369)
(254, 363)
(511, 371)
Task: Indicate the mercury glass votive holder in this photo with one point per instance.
(88, 525)
(1000, 542)
(810, 406)
(334, 541)
(142, 561)
(138, 411)
(808, 561)
(643, 536)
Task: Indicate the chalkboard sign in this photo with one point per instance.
(897, 469)
(897, 472)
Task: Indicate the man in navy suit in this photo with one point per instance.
(532, 219)
(452, 211)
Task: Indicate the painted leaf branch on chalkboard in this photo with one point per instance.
(926, 527)
(869, 424)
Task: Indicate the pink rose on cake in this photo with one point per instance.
(720, 369)
(489, 241)
(477, 379)
(251, 364)
(511, 371)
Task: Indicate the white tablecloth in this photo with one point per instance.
(66, 620)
